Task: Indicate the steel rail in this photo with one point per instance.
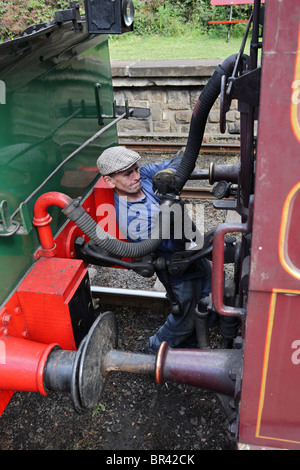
(197, 193)
(211, 148)
(145, 294)
(148, 300)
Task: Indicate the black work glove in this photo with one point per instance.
(163, 181)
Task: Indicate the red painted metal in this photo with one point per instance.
(105, 213)
(42, 219)
(233, 2)
(44, 296)
(22, 364)
(65, 239)
(270, 407)
(228, 22)
(218, 268)
(100, 205)
(5, 397)
(36, 317)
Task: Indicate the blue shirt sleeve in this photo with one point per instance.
(148, 171)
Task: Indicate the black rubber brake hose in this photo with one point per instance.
(202, 108)
(75, 212)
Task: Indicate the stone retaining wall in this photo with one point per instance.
(170, 89)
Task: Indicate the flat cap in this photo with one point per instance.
(115, 159)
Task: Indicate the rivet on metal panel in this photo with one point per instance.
(6, 319)
(18, 310)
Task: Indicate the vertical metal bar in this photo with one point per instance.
(230, 18)
(255, 34)
(98, 103)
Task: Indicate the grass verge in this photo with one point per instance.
(131, 47)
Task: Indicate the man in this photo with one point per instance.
(136, 205)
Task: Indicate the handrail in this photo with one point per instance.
(218, 264)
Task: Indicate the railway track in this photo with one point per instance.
(150, 300)
(197, 193)
(211, 148)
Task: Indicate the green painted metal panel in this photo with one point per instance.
(48, 109)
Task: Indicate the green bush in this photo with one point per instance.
(158, 17)
(17, 15)
(153, 17)
(173, 17)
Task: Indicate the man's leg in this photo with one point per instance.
(177, 329)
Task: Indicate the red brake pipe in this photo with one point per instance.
(42, 219)
(22, 362)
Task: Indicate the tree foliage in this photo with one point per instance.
(162, 17)
(171, 17)
(17, 15)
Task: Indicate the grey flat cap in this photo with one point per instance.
(115, 159)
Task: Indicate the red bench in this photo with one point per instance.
(231, 3)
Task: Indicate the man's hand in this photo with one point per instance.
(163, 181)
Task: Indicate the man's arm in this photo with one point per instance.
(163, 180)
(149, 171)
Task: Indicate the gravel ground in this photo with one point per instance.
(134, 413)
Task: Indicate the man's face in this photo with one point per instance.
(127, 182)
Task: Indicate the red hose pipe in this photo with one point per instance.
(42, 219)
